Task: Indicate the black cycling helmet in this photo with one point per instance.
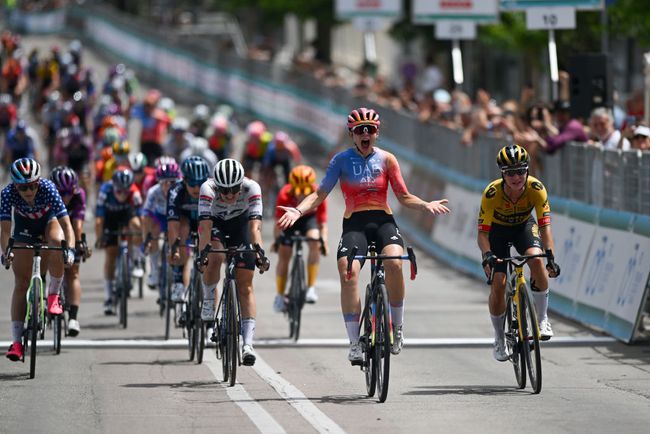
(512, 157)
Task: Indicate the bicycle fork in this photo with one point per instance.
(36, 274)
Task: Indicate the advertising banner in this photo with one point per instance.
(430, 11)
(458, 231)
(572, 242)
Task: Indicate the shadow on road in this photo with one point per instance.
(181, 385)
(465, 390)
(345, 399)
(175, 362)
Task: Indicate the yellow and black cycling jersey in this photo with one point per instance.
(498, 208)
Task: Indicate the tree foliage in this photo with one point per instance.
(631, 18)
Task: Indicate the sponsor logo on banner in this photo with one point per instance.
(457, 232)
(572, 241)
(615, 276)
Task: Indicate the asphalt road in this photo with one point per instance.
(114, 380)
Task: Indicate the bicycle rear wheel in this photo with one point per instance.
(513, 343)
(530, 331)
(33, 325)
(382, 343)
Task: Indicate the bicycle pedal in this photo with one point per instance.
(357, 363)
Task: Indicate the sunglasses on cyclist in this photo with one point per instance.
(24, 187)
(194, 184)
(229, 190)
(360, 130)
(516, 172)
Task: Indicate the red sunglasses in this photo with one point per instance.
(360, 130)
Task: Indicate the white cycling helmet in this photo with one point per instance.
(228, 173)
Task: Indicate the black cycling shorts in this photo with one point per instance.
(235, 232)
(364, 227)
(303, 225)
(522, 237)
(114, 221)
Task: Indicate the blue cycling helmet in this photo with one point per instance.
(25, 171)
(123, 179)
(195, 170)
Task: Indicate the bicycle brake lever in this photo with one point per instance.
(414, 265)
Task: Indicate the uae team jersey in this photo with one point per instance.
(249, 200)
(364, 181)
(47, 203)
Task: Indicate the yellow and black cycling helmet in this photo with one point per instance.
(512, 157)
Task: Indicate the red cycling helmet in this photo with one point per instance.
(363, 116)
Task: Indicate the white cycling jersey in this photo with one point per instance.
(249, 200)
(156, 203)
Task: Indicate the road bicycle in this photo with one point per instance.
(35, 316)
(295, 299)
(227, 329)
(521, 326)
(192, 318)
(375, 323)
(123, 279)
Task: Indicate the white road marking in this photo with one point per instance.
(409, 342)
(260, 417)
(296, 399)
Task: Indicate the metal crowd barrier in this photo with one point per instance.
(611, 179)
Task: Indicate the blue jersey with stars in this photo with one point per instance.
(47, 205)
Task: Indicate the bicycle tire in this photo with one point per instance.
(513, 343)
(368, 350)
(162, 282)
(199, 329)
(530, 330)
(382, 343)
(141, 284)
(124, 289)
(33, 326)
(296, 298)
(233, 333)
(168, 301)
(57, 329)
(189, 322)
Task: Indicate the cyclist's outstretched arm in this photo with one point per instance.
(291, 215)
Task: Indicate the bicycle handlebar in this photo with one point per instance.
(297, 237)
(517, 261)
(410, 256)
(36, 246)
(230, 251)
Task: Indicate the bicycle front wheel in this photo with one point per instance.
(123, 288)
(382, 343)
(232, 332)
(296, 298)
(57, 331)
(530, 331)
(513, 343)
(197, 322)
(34, 321)
(168, 300)
(189, 322)
(368, 349)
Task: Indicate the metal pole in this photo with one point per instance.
(457, 62)
(552, 60)
(370, 47)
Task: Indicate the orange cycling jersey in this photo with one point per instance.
(497, 208)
